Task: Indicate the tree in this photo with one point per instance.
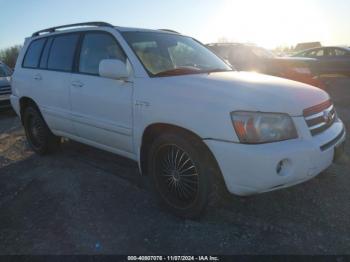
(9, 55)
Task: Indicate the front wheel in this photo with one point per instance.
(182, 171)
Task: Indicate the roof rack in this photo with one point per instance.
(169, 30)
(53, 29)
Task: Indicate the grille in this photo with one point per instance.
(5, 90)
(320, 117)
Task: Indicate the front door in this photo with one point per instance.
(101, 107)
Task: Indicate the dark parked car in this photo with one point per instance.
(5, 88)
(248, 57)
(329, 60)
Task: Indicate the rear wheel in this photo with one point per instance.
(38, 134)
(182, 171)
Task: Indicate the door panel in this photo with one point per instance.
(101, 107)
(57, 57)
(102, 110)
(54, 99)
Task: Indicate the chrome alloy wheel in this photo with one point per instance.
(177, 176)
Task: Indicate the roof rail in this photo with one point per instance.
(53, 29)
(169, 30)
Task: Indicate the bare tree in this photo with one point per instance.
(9, 55)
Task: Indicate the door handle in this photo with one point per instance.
(38, 77)
(77, 84)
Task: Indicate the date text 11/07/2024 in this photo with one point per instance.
(173, 258)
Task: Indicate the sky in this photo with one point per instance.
(268, 23)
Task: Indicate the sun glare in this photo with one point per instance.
(267, 23)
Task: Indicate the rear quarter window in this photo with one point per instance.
(31, 59)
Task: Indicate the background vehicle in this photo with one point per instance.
(306, 45)
(247, 57)
(329, 60)
(166, 101)
(5, 86)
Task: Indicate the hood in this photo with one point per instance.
(249, 91)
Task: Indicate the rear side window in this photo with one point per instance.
(96, 47)
(31, 59)
(62, 52)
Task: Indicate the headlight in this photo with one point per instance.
(257, 128)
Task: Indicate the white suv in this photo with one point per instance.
(167, 102)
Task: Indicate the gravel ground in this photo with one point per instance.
(85, 201)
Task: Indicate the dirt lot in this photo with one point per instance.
(85, 201)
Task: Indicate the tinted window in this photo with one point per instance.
(340, 52)
(318, 52)
(32, 56)
(96, 47)
(45, 54)
(62, 52)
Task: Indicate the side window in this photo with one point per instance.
(340, 52)
(96, 47)
(45, 54)
(31, 59)
(318, 52)
(331, 52)
(62, 52)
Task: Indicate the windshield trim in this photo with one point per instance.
(151, 75)
(199, 72)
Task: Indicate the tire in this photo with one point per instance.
(184, 174)
(41, 140)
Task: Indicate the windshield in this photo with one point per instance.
(164, 54)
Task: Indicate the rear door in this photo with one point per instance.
(54, 75)
(101, 107)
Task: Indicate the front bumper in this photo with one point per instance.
(251, 169)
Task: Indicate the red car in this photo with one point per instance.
(247, 57)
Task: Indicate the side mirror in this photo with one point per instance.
(113, 68)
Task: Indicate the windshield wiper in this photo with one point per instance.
(178, 71)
